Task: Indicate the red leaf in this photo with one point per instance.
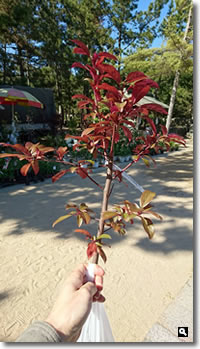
(136, 75)
(79, 65)
(137, 95)
(156, 107)
(164, 130)
(83, 46)
(127, 133)
(131, 123)
(112, 72)
(79, 96)
(151, 123)
(107, 55)
(92, 248)
(79, 51)
(82, 104)
(117, 137)
(59, 175)
(24, 169)
(174, 135)
(85, 232)
(108, 87)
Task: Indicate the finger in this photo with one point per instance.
(76, 278)
(99, 298)
(98, 270)
(99, 282)
(91, 289)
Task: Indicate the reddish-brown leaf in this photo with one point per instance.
(24, 169)
(18, 147)
(81, 172)
(35, 166)
(87, 131)
(92, 248)
(84, 232)
(59, 175)
(6, 155)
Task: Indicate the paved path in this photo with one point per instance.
(143, 277)
(179, 313)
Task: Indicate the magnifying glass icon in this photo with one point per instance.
(182, 331)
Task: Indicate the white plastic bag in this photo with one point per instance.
(96, 327)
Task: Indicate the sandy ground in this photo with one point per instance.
(142, 276)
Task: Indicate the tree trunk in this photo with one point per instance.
(172, 100)
(4, 64)
(177, 75)
(21, 65)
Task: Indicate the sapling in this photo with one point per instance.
(110, 111)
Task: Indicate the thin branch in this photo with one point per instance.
(98, 185)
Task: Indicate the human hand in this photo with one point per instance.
(74, 302)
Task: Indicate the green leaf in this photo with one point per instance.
(146, 162)
(83, 206)
(102, 254)
(60, 219)
(148, 226)
(98, 244)
(146, 197)
(122, 231)
(155, 214)
(109, 214)
(104, 236)
(79, 220)
(70, 206)
(86, 217)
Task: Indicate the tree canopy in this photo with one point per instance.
(36, 46)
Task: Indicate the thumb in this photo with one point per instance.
(90, 288)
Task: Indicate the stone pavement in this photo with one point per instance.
(178, 313)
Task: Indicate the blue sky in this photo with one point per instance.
(143, 5)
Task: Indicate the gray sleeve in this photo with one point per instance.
(40, 332)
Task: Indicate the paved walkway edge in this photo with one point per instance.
(178, 314)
